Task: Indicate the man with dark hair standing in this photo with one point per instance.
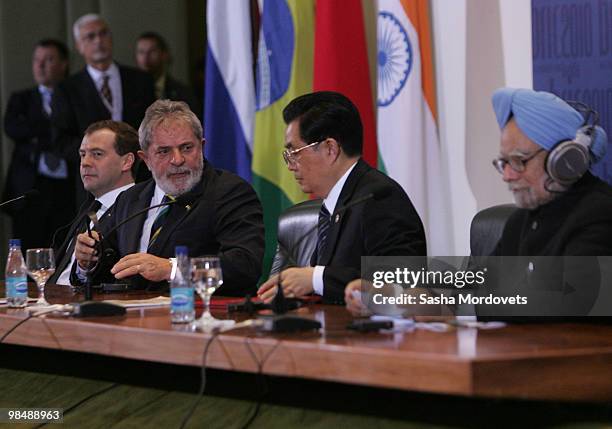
(33, 165)
(109, 159)
(102, 90)
(212, 212)
(323, 150)
(153, 56)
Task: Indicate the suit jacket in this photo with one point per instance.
(221, 216)
(71, 232)
(177, 91)
(577, 223)
(77, 104)
(27, 123)
(553, 249)
(389, 226)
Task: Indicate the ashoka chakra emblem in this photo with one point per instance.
(394, 58)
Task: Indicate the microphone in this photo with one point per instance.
(109, 252)
(32, 194)
(139, 213)
(377, 192)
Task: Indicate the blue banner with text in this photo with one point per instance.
(572, 57)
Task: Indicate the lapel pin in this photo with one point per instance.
(337, 218)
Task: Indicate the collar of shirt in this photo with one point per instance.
(332, 198)
(45, 90)
(158, 196)
(97, 75)
(109, 198)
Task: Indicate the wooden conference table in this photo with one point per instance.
(567, 362)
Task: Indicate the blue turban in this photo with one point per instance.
(544, 118)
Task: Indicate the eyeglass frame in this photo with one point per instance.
(520, 164)
(289, 154)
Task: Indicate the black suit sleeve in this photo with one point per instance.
(16, 123)
(240, 233)
(388, 227)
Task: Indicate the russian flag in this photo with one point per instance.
(229, 94)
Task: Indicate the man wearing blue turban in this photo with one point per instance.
(564, 220)
(547, 148)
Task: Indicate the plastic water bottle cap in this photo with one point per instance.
(180, 251)
(15, 242)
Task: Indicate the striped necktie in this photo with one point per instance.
(323, 227)
(105, 90)
(158, 224)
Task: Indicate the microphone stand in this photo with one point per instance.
(91, 218)
(28, 195)
(88, 292)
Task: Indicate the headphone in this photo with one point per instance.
(569, 160)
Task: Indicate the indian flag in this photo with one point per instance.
(284, 71)
(408, 144)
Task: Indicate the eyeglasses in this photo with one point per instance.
(517, 163)
(90, 37)
(289, 155)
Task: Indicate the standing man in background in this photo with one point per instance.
(102, 90)
(153, 56)
(33, 165)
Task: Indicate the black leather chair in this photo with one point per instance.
(297, 235)
(487, 228)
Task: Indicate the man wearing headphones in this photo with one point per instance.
(547, 148)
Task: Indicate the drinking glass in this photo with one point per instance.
(40, 264)
(207, 277)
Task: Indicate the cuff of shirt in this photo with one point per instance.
(317, 279)
(80, 272)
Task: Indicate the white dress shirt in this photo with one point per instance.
(158, 196)
(106, 201)
(330, 203)
(114, 83)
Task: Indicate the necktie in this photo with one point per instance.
(80, 228)
(105, 90)
(46, 100)
(323, 229)
(158, 223)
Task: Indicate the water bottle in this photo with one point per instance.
(16, 276)
(181, 289)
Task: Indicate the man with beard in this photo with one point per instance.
(564, 218)
(549, 247)
(211, 211)
(547, 148)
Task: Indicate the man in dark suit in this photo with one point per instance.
(33, 165)
(563, 223)
(109, 159)
(153, 56)
(215, 212)
(323, 150)
(102, 90)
